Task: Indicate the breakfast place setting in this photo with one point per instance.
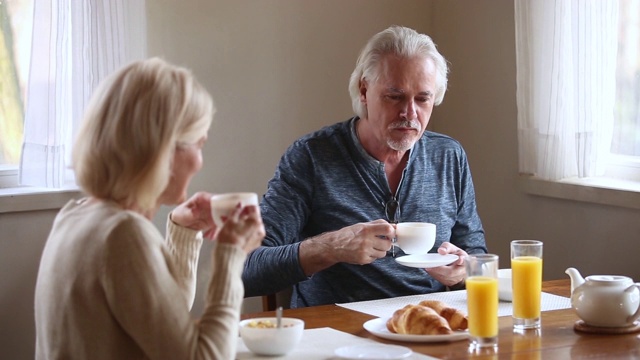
(507, 310)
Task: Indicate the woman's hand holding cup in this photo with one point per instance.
(243, 227)
(237, 217)
(195, 214)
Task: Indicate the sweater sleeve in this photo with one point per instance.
(218, 326)
(184, 245)
(147, 300)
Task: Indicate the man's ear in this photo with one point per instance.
(363, 91)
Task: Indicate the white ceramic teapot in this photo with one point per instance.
(605, 300)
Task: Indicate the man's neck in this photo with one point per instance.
(379, 150)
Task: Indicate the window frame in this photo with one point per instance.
(602, 191)
(8, 176)
(623, 167)
(20, 199)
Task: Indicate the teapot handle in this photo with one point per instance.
(635, 316)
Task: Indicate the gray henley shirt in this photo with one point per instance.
(326, 181)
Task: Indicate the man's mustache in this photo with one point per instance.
(405, 124)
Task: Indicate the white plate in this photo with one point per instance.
(373, 352)
(378, 327)
(426, 260)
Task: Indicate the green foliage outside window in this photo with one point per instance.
(11, 103)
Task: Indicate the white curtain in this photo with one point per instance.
(566, 64)
(75, 44)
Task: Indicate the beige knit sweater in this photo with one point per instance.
(110, 287)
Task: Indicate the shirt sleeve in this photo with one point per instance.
(467, 232)
(285, 209)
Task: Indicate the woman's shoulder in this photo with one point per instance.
(109, 222)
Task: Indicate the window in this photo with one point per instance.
(74, 45)
(624, 161)
(15, 45)
(578, 84)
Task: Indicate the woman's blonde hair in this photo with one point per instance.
(132, 125)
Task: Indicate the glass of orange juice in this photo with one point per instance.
(482, 299)
(526, 280)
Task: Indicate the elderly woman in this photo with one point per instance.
(109, 285)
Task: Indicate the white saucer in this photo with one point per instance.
(426, 260)
(373, 352)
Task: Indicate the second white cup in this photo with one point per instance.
(223, 204)
(415, 237)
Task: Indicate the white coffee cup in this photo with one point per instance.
(222, 205)
(415, 237)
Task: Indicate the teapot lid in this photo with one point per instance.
(609, 278)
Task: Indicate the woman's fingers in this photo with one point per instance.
(244, 227)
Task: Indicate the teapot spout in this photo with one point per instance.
(576, 278)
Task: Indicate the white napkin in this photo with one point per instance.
(318, 344)
(384, 308)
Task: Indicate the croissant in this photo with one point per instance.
(456, 318)
(418, 320)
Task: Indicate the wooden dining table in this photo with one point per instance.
(555, 339)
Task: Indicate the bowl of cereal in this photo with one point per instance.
(263, 337)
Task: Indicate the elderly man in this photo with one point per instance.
(330, 209)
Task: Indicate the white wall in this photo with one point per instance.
(22, 238)
(279, 68)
